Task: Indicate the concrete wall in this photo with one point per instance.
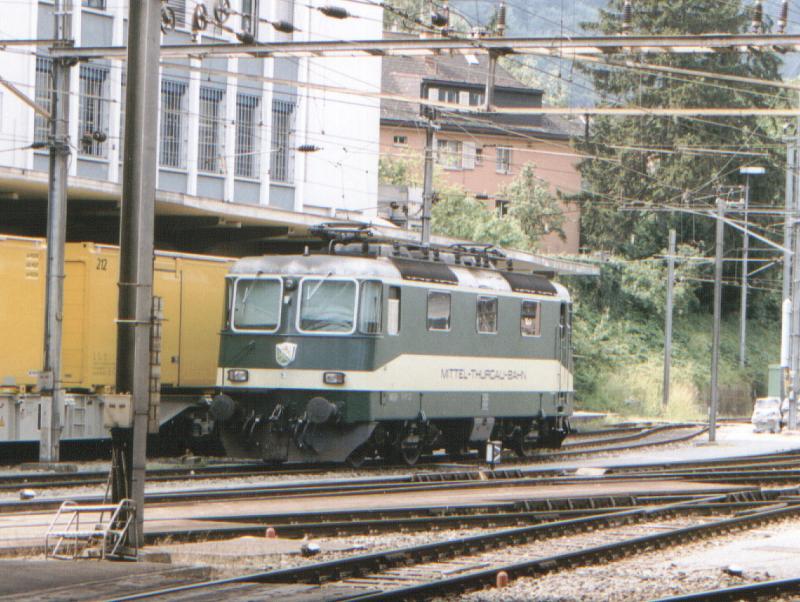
(343, 174)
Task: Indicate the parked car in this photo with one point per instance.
(767, 415)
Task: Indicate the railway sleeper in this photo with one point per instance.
(312, 573)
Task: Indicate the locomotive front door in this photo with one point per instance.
(563, 336)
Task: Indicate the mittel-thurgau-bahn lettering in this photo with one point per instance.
(485, 374)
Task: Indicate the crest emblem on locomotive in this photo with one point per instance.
(285, 353)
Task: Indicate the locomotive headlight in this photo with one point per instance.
(333, 378)
(238, 375)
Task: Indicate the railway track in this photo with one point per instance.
(597, 443)
(773, 469)
(343, 523)
(751, 591)
(39, 480)
(473, 562)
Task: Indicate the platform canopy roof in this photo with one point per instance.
(204, 225)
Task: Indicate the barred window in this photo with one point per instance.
(173, 123)
(246, 164)
(93, 111)
(44, 92)
(209, 135)
(282, 155)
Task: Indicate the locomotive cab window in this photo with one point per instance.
(530, 319)
(371, 301)
(438, 310)
(257, 304)
(393, 311)
(486, 317)
(327, 305)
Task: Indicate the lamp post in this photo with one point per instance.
(747, 172)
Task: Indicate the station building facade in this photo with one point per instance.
(268, 133)
(483, 153)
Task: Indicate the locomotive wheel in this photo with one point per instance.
(410, 454)
(524, 449)
(525, 446)
(356, 457)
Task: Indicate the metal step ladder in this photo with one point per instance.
(90, 531)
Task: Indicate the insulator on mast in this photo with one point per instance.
(627, 16)
(441, 19)
(758, 17)
(501, 19)
(784, 18)
(334, 12)
(283, 26)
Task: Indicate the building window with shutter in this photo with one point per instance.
(503, 162)
(468, 155)
(43, 95)
(93, 111)
(282, 151)
(448, 153)
(210, 131)
(476, 99)
(173, 123)
(247, 122)
(448, 95)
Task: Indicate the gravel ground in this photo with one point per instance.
(655, 574)
(651, 575)
(247, 554)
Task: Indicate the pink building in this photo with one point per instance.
(478, 151)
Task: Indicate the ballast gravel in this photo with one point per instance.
(683, 569)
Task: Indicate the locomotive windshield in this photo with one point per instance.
(327, 305)
(257, 304)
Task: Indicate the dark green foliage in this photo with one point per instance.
(649, 159)
(619, 340)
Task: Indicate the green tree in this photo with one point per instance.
(534, 211)
(400, 171)
(646, 159)
(533, 206)
(461, 215)
(399, 15)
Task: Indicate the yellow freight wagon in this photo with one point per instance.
(191, 286)
(23, 263)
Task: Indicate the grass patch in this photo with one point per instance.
(629, 379)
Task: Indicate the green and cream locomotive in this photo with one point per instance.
(377, 350)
